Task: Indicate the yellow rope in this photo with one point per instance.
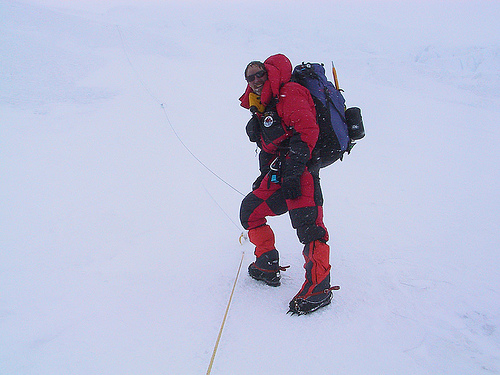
(225, 316)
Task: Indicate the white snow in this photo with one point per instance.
(118, 250)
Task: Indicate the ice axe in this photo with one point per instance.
(335, 78)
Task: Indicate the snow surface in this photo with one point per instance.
(119, 250)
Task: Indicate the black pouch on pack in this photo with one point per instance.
(354, 123)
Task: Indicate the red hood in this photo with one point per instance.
(279, 72)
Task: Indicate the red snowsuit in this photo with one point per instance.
(287, 141)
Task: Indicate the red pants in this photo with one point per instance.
(306, 212)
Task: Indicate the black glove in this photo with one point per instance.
(253, 129)
(291, 187)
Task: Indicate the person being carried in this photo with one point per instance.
(284, 126)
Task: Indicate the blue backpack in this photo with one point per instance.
(338, 127)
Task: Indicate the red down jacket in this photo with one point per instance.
(296, 109)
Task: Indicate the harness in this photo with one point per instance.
(272, 130)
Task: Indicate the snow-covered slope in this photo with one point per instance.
(119, 249)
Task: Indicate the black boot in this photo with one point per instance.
(266, 268)
(306, 305)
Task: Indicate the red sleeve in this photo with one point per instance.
(298, 112)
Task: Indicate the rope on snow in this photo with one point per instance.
(225, 316)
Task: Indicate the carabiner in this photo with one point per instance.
(273, 167)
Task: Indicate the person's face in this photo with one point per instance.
(256, 77)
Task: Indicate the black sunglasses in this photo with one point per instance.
(259, 74)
